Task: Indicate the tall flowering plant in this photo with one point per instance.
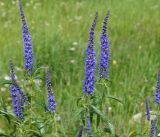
(34, 107)
(153, 116)
(92, 114)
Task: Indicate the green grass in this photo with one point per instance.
(134, 34)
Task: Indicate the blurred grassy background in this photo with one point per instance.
(59, 32)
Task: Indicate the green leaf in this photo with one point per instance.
(4, 135)
(78, 112)
(34, 133)
(132, 134)
(78, 100)
(5, 82)
(97, 111)
(98, 120)
(112, 129)
(108, 130)
(114, 98)
(108, 124)
(7, 115)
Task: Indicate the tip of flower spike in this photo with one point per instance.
(80, 131)
(108, 13)
(48, 79)
(20, 5)
(88, 126)
(51, 97)
(13, 79)
(96, 15)
(105, 21)
(159, 74)
(94, 22)
(147, 109)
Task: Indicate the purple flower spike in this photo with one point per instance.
(19, 92)
(51, 97)
(18, 97)
(147, 110)
(90, 62)
(88, 126)
(153, 127)
(80, 131)
(105, 52)
(28, 49)
(16, 101)
(156, 131)
(13, 78)
(157, 91)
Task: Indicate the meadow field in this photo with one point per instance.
(59, 30)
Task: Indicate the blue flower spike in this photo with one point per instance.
(148, 115)
(104, 50)
(80, 131)
(157, 90)
(14, 85)
(51, 97)
(88, 126)
(19, 98)
(28, 48)
(90, 61)
(153, 127)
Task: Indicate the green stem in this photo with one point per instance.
(54, 125)
(31, 103)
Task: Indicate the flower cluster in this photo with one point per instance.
(19, 98)
(104, 54)
(28, 49)
(90, 63)
(17, 108)
(147, 110)
(157, 91)
(154, 122)
(88, 126)
(153, 127)
(51, 98)
(80, 131)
